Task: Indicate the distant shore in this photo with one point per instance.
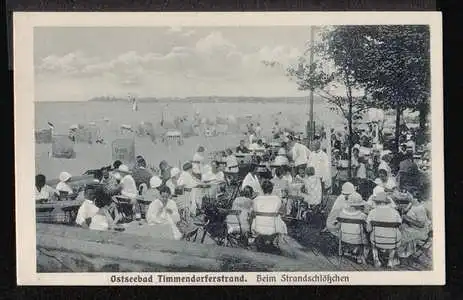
(211, 99)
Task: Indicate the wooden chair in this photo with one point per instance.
(381, 241)
(424, 246)
(351, 238)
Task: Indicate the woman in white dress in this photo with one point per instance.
(164, 211)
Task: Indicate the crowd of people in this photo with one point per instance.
(274, 172)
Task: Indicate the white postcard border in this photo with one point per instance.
(23, 25)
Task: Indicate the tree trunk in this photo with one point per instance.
(423, 110)
(397, 126)
(349, 151)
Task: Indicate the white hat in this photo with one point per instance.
(347, 188)
(117, 176)
(64, 176)
(355, 199)
(124, 169)
(378, 189)
(174, 172)
(356, 146)
(281, 151)
(155, 182)
(280, 161)
(73, 126)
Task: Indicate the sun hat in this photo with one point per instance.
(355, 200)
(155, 182)
(174, 172)
(280, 161)
(381, 198)
(64, 176)
(117, 176)
(347, 188)
(124, 169)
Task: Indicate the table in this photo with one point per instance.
(58, 211)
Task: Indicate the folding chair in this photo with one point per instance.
(349, 237)
(384, 236)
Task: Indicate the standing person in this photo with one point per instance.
(164, 211)
(298, 153)
(258, 130)
(198, 162)
(384, 213)
(189, 184)
(408, 176)
(141, 174)
(42, 190)
(320, 162)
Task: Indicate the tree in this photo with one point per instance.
(395, 69)
(337, 47)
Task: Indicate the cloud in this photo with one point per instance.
(211, 60)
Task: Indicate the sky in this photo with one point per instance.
(76, 64)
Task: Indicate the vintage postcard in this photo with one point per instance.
(229, 148)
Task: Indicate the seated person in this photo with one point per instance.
(384, 178)
(312, 188)
(300, 176)
(416, 226)
(372, 204)
(140, 173)
(287, 174)
(164, 211)
(153, 192)
(129, 189)
(172, 182)
(354, 210)
(266, 209)
(347, 190)
(231, 161)
(42, 190)
(384, 213)
(240, 223)
(213, 174)
(252, 180)
(242, 149)
(88, 209)
(63, 186)
(102, 220)
(280, 185)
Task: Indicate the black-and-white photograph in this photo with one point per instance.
(233, 149)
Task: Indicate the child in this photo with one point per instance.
(240, 223)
